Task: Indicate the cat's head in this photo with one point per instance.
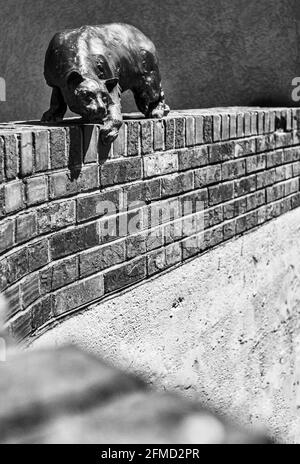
(89, 97)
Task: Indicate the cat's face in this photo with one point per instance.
(90, 98)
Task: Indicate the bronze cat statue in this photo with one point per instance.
(89, 67)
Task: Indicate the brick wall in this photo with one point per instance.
(79, 220)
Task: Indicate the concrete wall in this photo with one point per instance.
(213, 53)
(223, 328)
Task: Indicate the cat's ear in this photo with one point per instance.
(111, 83)
(74, 79)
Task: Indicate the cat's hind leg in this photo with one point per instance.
(149, 95)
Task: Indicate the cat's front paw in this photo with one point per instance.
(49, 116)
(108, 135)
(110, 131)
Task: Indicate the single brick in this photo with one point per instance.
(90, 143)
(13, 298)
(163, 211)
(265, 178)
(189, 131)
(159, 134)
(179, 132)
(198, 130)
(133, 138)
(74, 240)
(4, 274)
(120, 171)
(55, 216)
(14, 197)
(194, 201)
(6, 235)
(26, 227)
(295, 201)
(30, 290)
(247, 124)
(148, 190)
(255, 163)
(17, 265)
(160, 164)
(2, 202)
(265, 143)
(245, 185)
(79, 294)
(267, 122)
(220, 193)
(169, 133)
(63, 184)
(244, 148)
(154, 238)
(101, 258)
(193, 223)
(147, 137)
(207, 176)
(192, 158)
(74, 137)
(26, 154)
(253, 123)
(217, 127)
(272, 121)
(192, 246)
(246, 222)
(213, 237)
(207, 129)
(109, 229)
(274, 158)
(291, 186)
(58, 148)
(41, 312)
(64, 273)
(156, 262)
(172, 185)
(283, 139)
(233, 169)
(99, 204)
(173, 254)
(221, 152)
(295, 169)
(232, 126)
(125, 274)
(38, 255)
(11, 156)
(225, 135)
(275, 192)
(240, 125)
(288, 155)
(21, 326)
(2, 156)
(229, 230)
(36, 190)
(135, 246)
(41, 145)
(173, 231)
(260, 122)
(256, 199)
(295, 119)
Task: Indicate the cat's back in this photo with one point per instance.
(71, 49)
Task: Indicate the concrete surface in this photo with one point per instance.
(213, 53)
(223, 328)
